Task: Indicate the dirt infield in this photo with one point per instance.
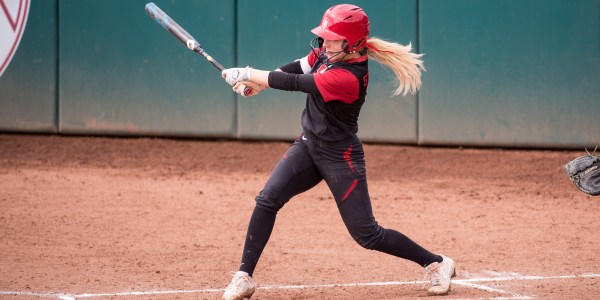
(103, 218)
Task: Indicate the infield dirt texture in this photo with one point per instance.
(103, 218)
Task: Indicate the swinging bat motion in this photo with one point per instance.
(183, 36)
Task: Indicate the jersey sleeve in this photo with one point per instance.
(337, 84)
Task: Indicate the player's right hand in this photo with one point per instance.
(248, 88)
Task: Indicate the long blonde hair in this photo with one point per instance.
(405, 64)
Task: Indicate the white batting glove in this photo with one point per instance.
(235, 75)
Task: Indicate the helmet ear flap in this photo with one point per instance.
(345, 46)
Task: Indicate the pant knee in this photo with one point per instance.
(369, 239)
(268, 201)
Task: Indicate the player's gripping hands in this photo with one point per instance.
(235, 75)
(241, 78)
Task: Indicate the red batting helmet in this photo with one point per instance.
(345, 22)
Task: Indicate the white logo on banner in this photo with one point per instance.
(13, 17)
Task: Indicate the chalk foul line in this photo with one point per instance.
(467, 282)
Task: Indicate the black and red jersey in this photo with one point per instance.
(335, 93)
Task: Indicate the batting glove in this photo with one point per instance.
(235, 75)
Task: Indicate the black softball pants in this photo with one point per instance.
(342, 166)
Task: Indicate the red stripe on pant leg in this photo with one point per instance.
(350, 189)
(348, 159)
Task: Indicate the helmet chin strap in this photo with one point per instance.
(335, 54)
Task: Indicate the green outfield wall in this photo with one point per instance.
(510, 72)
(501, 73)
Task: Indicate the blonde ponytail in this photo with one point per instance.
(406, 65)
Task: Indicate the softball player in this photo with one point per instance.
(335, 76)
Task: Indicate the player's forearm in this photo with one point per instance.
(261, 77)
(292, 82)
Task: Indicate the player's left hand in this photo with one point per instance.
(235, 75)
(248, 88)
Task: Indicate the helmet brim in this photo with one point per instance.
(327, 34)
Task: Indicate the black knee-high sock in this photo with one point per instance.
(259, 230)
(397, 244)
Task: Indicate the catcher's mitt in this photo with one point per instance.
(584, 171)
